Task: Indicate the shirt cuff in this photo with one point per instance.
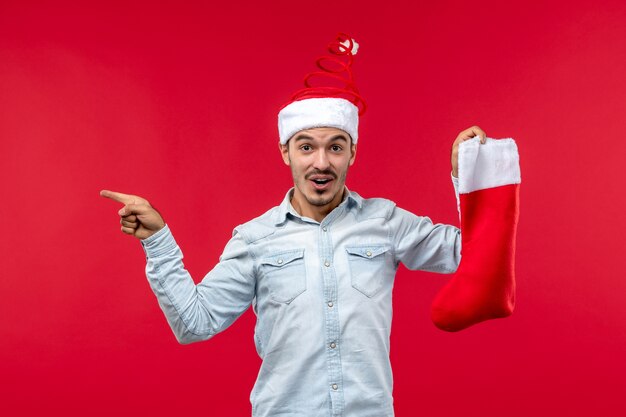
(455, 182)
(159, 243)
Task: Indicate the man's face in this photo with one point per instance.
(319, 159)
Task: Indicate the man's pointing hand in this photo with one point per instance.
(137, 217)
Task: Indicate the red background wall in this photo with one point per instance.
(178, 103)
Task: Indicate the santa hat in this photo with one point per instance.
(329, 98)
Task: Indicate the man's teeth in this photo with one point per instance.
(320, 182)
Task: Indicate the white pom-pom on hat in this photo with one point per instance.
(355, 46)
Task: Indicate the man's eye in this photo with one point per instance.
(336, 148)
(306, 148)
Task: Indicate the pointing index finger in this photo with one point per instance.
(119, 197)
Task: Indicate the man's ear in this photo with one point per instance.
(353, 154)
(284, 151)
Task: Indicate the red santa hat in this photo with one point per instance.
(329, 98)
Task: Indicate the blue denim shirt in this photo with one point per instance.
(321, 292)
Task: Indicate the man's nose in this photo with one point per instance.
(321, 160)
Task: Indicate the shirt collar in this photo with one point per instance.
(350, 199)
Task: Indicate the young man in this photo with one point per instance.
(318, 271)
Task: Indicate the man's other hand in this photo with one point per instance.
(463, 136)
(137, 217)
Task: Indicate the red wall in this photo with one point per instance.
(178, 104)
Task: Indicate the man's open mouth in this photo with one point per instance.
(321, 181)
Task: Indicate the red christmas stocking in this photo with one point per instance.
(483, 287)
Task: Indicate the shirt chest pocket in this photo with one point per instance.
(284, 274)
(367, 267)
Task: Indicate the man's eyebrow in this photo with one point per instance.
(342, 137)
(302, 136)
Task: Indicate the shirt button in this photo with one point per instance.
(326, 264)
(333, 345)
(324, 229)
(280, 261)
(335, 387)
(330, 304)
(368, 253)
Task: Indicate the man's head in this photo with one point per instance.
(319, 159)
(319, 128)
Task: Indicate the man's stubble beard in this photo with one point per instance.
(321, 203)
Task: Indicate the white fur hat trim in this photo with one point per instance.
(318, 112)
(492, 164)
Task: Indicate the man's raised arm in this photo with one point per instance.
(194, 312)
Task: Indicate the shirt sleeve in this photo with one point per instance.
(198, 312)
(421, 245)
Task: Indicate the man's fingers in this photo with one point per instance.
(123, 198)
(477, 131)
(130, 218)
(129, 209)
(119, 197)
(128, 230)
(472, 132)
(126, 223)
